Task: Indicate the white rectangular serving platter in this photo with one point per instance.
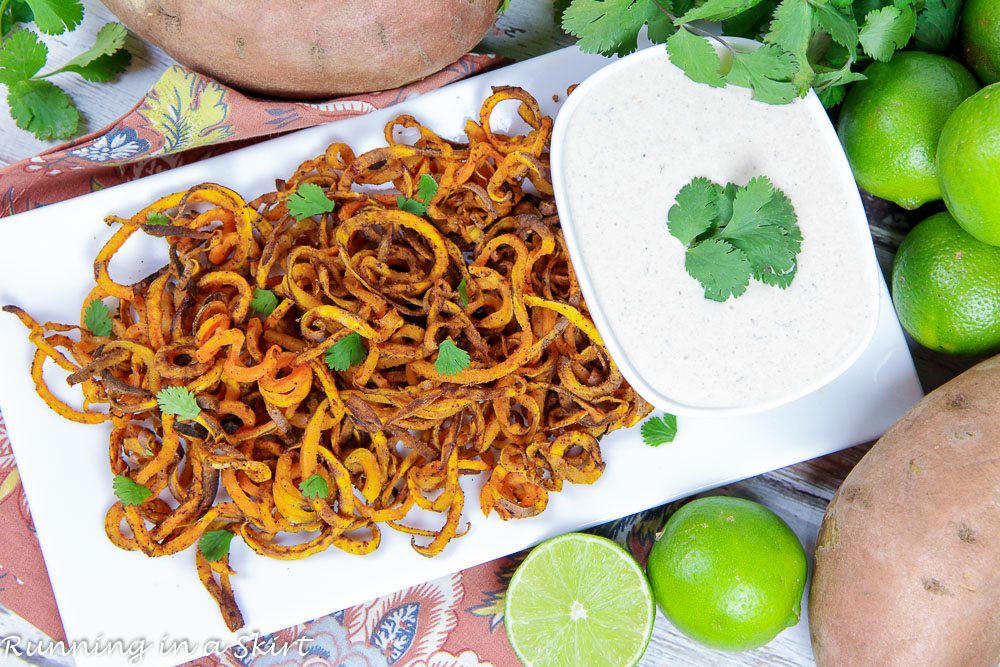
(46, 267)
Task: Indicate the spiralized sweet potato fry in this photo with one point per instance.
(295, 457)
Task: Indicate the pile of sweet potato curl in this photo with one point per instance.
(388, 434)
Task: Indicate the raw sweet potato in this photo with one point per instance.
(310, 48)
(908, 555)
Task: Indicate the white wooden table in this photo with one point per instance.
(799, 493)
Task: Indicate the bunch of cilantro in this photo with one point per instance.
(806, 43)
(36, 104)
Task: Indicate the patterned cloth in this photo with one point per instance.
(455, 621)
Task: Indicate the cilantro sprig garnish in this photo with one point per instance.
(129, 491)
(157, 218)
(36, 104)
(178, 401)
(309, 200)
(807, 43)
(264, 301)
(427, 187)
(314, 486)
(463, 292)
(733, 234)
(346, 352)
(214, 544)
(451, 359)
(658, 431)
(97, 318)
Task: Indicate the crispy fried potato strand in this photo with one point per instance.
(389, 434)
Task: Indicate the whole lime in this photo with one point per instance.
(890, 124)
(946, 288)
(979, 36)
(968, 162)
(728, 573)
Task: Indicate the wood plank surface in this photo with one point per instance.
(799, 493)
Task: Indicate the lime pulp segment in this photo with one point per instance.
(579, 600)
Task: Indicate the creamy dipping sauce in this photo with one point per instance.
(633, 140)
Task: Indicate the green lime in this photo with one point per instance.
(968, 162)
(728, 573)
(979, 35)
(579, 599)
(946, 288)
(890, 123)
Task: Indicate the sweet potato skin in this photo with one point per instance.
(310, 48)
(908, 556)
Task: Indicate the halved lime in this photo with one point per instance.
(578, 600)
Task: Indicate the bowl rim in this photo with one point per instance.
(811, 105)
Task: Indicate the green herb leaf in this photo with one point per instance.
(451, 358)
(178, 401)
(503, 6)
(767, 71)
(314, 487)
(104, 68)
(109, 41)
(309, 200)
(346, 352)
(830, 85)
(841, 27)
(791, 27)
(214, 544)
(610, 27)
(97, 318)
(886, 30)
(463, 292)
(717, 10)
(427, 187)
(936, 24)
(157, 218)
(130, 492)
(735, 233)
(695, 210)
(697, 57)
(17, 12)
(43, 109)
(21, 56)
(722, 270)
(264, 301)
(657, 431)
(410, 205)
(54, 17)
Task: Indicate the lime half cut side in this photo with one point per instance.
(579, 600)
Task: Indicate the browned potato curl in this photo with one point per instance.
(908, 556)
(310, 48)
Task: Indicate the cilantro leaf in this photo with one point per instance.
(767, 71)
(696, 56)
(346, 352)
(657, 431)
(214, 544)
(695, 210)
(608, 26)
(21, 56)
(463, 292)
(97, 318)
(427, 187)
(763, 226)
(157, 218)
(722, 270)
(105, 68)
(43, 109)
(178, 401)
(309, 200)
(886, 30)
(129, 491)
(54, 17)
(264, 301)
(110, 40)
(936, 24)
(314, 487)
(410, 205)
(717, 10)
(791, 27)
(17, 12)
(452, 359)
(841, 27)
(830, 84)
